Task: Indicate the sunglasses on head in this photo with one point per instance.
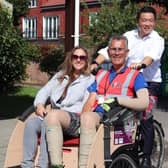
(81, 57)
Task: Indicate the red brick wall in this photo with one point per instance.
(35, 76)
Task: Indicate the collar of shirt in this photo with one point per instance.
(79, 79)
(113, 74)
(146, 37)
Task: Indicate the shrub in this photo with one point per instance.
(15, 53)
(52, 57)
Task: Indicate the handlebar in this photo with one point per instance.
(143, 66)
(94, 72)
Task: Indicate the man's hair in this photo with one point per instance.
(119, 37)
(146, 9)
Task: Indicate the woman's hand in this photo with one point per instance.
(40, 110)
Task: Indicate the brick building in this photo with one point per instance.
(46, 20)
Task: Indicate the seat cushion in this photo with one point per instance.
(73, 141)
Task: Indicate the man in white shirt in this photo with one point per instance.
(146, 47)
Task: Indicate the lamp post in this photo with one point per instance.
(76, 32)
(72, 10)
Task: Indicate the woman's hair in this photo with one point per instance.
(67, 68)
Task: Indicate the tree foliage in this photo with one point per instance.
(115, 17)
(162, 24)
(112, 18)
(52, 57)
(20, 8)
(15, 53)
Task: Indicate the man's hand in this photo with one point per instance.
(109, 104)
(135, 66)
(147, 61)
(40, 110)
(111, 108)
(93, 67)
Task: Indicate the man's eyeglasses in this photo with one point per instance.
(116, 49)
(81, 57)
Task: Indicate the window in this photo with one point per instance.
(30, 28)
(92, 18)
(50, 27)
(33, 3)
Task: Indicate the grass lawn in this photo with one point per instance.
(15, 103)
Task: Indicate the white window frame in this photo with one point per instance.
(50, 27)
(91, 16)
(33, 4)
(29, 28)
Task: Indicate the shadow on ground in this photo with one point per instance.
(163, 103)
(165, 164)
(14, 106)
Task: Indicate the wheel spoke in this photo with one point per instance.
(123, 161)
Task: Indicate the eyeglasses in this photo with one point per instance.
(81, 57)
(116, 49)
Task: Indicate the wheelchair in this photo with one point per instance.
(117, 144)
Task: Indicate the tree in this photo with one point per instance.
(52, 57)
(113, 17)
(116, 17)
(163, 3)
(20, 8)
(15, 53)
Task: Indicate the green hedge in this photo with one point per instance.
(164, 67)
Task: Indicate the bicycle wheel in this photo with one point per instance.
(123, 161)
(158, 151)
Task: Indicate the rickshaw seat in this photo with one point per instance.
(73, 141)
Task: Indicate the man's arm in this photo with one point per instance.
(99, 60)
(147, 61)
(152, 52)
(89, 103)
(102, 56)
(140, 103)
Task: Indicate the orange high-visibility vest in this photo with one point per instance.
(121, 86)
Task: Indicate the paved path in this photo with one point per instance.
(162, 117)
(7, 126)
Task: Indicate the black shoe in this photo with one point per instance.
(146, 163)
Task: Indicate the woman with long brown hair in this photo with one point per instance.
(67, 91)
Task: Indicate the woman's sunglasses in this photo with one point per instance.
(81, 57)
